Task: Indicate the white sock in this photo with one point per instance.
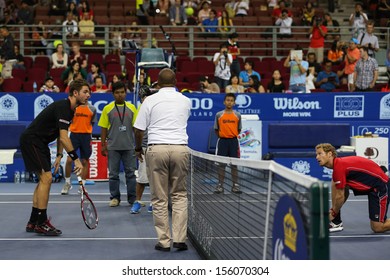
(67, 180)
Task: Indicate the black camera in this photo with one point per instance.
(225, 53)
(370, 46)
(318, 21)
(357, 14)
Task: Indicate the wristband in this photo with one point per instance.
(73, 155)
(137, 150)
(334, 214)
(60, 155)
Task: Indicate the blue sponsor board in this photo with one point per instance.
(289, 240)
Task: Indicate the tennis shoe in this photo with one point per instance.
(47, 229)
(236, 189)
(150, 209)
(219, 189)
(335, 227)
(66, 188)
(135, 209)
(30, 227)
(114, 202)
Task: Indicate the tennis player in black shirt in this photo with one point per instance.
(51, 124)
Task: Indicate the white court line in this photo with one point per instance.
(77, 238)
(360, 236)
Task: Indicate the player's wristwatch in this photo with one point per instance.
(60, 155)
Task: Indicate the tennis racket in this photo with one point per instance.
(88, 209)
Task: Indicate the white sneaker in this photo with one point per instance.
(335, 227)
(66, 188)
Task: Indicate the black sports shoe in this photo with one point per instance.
(180, 246)
(158, 247)
(47, 229)
(30, 227)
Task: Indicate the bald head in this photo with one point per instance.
(166, 78)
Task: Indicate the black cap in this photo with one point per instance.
(49, 78)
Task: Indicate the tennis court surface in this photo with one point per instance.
(123, 236)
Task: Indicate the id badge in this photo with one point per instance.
(122, 128)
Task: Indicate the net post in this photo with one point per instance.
(319, 231)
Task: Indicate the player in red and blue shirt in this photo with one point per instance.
(364, 177)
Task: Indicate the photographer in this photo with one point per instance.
(207, 86)
(358, 20)
(285, 22)
(222, 61)
(369, 40)
(317, 42)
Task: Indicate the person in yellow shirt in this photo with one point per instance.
(86, 27)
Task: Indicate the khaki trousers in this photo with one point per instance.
(167, 169)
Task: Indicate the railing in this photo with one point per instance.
(260, 41)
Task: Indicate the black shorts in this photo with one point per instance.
(378, 203)
(228, 147)
(36, 155)
(82, 142)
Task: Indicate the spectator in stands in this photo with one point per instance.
(59, 57)
(317, 41)
(308, 13)
(368, 39)
(207, 86)
(98, 86)
(327, 79)
(49, 86)
(333, 28)
(96, 71)
(25, 14)
(365, 73)
(358, 20)
(351, 58)
(276, 84)
(277, 11)
(383, 10)
(336, 53)
(312, 60)
(19, 59)
(229, 7)
(86, 9)
(222, 61)
(245, 74)
(254, 85)
(72, 8)
(115, 78)
(210, 25)
(241, 8)
(272, 3)
(285, 23)
(116, 39)
(78, 56)
(163, 5)
(234, 86)
(298, 69)
(72, 72)
(190, 8)
(204, 12)
(177, 14)
(234, 50)
(310, 79)
(8, 20)
(225, 24)
(144, 78)
(86, 27)
(70, 26)
(7, 51)
(142, 11)
(133, 33)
